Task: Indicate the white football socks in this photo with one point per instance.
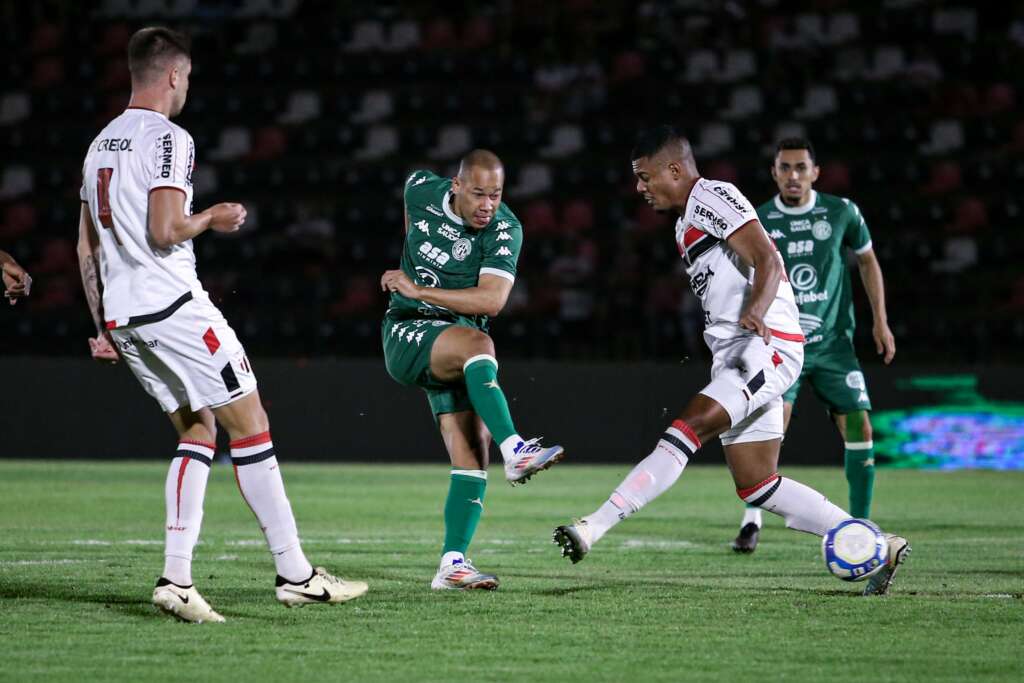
(803, 508)
(654, 475)
(184, 491)
(259, 480)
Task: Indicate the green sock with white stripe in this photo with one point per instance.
(481, 373)
(462, 510)
(859, 461)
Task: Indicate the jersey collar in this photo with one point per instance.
(446, 206)
(797, 210)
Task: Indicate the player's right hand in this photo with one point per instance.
(226, 216)
(102, 349)
(17, 283)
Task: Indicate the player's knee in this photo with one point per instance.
(478, 344)
(858, 427)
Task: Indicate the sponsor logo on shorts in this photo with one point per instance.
(855, 380)
(821, 230)
(127, 344)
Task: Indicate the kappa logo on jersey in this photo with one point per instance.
(821, 230)
(800, 225)
(434, 210)
(699, 282)
(420, 180)
(803, 276)
(503, 225)
(504, 251)
(503, 237)
(461, 249)
(433, 255)
(800, 248)
(729, 199)
(448, 231)
(423, 226)
(166, 155)
(710, 216)
(776, 234)
(428, 277)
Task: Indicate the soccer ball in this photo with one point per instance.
(854, 549)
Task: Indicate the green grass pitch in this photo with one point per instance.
(661, 598)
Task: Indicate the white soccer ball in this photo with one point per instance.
(854, 549)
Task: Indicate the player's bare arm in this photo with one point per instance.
(17, 282)
(168, 224)
(487, 298)
(753, 246)
(874, 285)
(100, 347)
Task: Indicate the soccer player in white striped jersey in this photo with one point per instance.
(135, 251)
(752, 328)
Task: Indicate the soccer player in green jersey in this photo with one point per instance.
(458, 266)
(813, 230)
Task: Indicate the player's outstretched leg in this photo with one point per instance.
(184, 491)
(259, 480)
(750, 530)
(468, 354)
(648, 480)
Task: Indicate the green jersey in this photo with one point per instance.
(441, 252)
(812, 238)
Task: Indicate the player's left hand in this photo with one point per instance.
(885, 343)
(755, 323)
(398, 281)
(17, 283)
(103, 349)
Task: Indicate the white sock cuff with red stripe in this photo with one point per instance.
(680, 440)
(758, 494)
(203, 451)
(252, 449)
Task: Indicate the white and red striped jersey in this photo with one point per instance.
(718, 276)
(138, 152)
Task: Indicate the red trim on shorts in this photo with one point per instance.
(746, 493)
(788, 336)
(688, 432)
(254, 440)
(110, 324)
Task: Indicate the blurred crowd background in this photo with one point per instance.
(313, 113)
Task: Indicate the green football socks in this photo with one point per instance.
(463, 508)
(481, 373)
(859, 459)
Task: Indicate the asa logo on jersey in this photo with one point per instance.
(433, 255)
(461, 249)
(800, 248)
(821, 230)
(699, 283)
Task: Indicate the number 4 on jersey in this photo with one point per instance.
(103, 198)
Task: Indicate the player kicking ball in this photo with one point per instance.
(754, 335)
(458, 265)
(139, 274)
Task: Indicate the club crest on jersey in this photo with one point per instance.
(461, 249)
(821, 230)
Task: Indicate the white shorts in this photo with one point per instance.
(748, 379)
(191, 358)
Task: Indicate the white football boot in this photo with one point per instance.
(530, 458)
(320, 588)
(574, 539)
(462, 575)
(184, 603)
(879, 582)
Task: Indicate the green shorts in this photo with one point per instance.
(407, 346)
(831, 368)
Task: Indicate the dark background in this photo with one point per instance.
(313, 113)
